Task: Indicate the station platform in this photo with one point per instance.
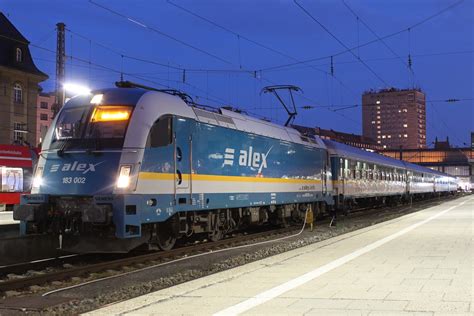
(6, 218)
(417, 264)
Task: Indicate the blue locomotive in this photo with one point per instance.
(125, 167)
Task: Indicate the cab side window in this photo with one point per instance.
(161, 133)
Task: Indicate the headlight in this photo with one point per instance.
(38, 178)
(124, 177)
(111, 113)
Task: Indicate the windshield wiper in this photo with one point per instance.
(62, 148)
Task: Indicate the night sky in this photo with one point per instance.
(223, 67)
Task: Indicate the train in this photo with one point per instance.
(16, 172)
(129, 167)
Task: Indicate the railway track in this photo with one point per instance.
(117, 263)
(24, 282)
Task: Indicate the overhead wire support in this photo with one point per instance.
(153, 29)
(409, 49)
(340, 42)
(60, 67)
(332, 67)
(240, 36)
(122, 54)
(359, 19)
(368, 42)
(229, 30)
(153, 62)
(116, 71)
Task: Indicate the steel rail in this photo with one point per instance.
(16, 284)
(20, 283)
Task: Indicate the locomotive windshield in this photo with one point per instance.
(70, 124)
(83, 127)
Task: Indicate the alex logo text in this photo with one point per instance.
(75, 166)
(249, 158)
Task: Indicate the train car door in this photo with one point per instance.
(324, 175)
(182, 157)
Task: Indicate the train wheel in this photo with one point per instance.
(166, 242)
(164, 238)
(216, 235)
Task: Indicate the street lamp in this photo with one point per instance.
(76, 89)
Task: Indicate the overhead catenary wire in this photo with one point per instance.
(123, 55)
(186, 70)
(243, 37)
(179, 69)
(240, 36)
(440, 118)
(339, 107)
(380, 59)
(409, 68)
(340, 42)
(257, 43)
(183, 70)
(417, 24)
(153, 62)
(119, 72)
(157, 31)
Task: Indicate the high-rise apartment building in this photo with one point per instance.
(44, 115)
(395, 118)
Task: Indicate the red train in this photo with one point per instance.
(16, 172)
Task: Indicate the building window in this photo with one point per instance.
(405, 125)
(19, 55)
(44, 105)
(43, 116)
(17, 93)
(18, 131)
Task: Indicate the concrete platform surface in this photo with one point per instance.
(418, 264)
(6, 218)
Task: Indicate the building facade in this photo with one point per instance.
(395, 118)
(44, 115)
(19, 86)
(345, 138)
